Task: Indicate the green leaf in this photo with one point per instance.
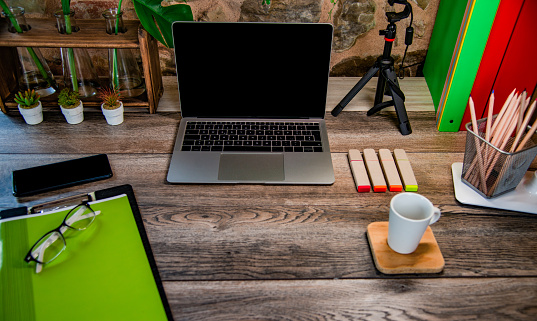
(66, 6)
(157, 20)
(14, 22)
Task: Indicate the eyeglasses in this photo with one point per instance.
(52, 244)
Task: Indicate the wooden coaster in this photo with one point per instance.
(426, 259)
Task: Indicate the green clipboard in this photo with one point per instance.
(106, 272)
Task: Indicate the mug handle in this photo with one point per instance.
(436, 215)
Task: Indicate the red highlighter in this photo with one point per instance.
(358, 171)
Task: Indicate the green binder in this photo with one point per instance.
(106, 272)
(457, 44)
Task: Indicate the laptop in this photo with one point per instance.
(252, 98)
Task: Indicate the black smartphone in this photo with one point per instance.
(34, 180)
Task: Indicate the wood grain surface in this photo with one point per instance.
(92, 34)
(255, 252)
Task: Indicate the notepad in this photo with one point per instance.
(106, 272)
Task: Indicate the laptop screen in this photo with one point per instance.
(252, 70)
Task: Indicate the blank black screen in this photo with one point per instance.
(272, 70)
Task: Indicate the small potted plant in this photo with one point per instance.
(30, 106)
(71, 105)
(112, 106)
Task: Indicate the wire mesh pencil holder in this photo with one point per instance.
(491, 171)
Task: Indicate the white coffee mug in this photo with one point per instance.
(410, 214)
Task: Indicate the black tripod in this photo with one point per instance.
(387, 81)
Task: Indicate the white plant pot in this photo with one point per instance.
(74, 115)
(32, 116)
(113, 116)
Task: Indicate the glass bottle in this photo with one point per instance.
(78, 70)
(34, 72)
(125, 74)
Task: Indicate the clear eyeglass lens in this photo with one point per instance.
(80, 217)
(48, 247)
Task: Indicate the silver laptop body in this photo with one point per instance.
(240, 80)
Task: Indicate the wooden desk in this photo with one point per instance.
(245, 252)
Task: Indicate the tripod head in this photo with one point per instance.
(396, 16)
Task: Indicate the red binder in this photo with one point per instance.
(508, 61)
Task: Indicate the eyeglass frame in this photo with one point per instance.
(64, 226)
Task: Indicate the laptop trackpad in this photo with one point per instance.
(251, 167)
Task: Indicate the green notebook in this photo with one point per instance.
(106, 272)
(457, 44)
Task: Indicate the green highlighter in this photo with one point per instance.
(405, 170)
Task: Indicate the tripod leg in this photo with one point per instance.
(370, 73)
(381, 89)
(398, 100)
(379, 107)
(384, 87)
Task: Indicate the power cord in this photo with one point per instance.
(409, 35)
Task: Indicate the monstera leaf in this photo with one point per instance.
(157, 20)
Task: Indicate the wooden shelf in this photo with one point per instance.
(92, 34)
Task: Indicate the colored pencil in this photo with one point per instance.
(478, 146)
(508, 132)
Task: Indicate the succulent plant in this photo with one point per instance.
(111, 98)
(68, 98)
(27, 99)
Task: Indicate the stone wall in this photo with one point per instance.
(357, 23)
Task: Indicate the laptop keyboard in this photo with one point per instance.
(252, 136)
